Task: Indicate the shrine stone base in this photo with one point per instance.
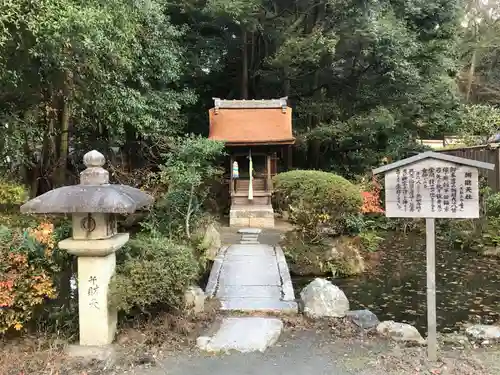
(253, 216)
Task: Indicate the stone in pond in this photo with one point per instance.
(400, 332)
(492, 252)
(454, 339)
(323, 299)
(483, 332)
(363, 318)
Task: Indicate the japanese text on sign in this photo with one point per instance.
(92, 292)
(432, 188)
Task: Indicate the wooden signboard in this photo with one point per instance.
(432, 185)
(432, 188)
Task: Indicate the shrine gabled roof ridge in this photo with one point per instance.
(434, 155)
(249, 104)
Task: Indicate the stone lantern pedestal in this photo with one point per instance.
(96, 266)
(95, 239)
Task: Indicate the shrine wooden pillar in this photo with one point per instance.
(269, 181)
(289, 155)
(231, 179)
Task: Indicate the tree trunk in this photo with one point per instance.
(62, 162)
(286, 82)
(470, 76)
(42, 181)
(244, 66)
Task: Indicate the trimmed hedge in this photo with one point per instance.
(316, 198)
(156, 271)
(320, 188)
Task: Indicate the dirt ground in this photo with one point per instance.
(167, 346)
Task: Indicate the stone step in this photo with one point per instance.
(249, 234)
(249, 239)
(249, 334)
(250, 231)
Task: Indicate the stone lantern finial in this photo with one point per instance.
(95, 174)
(94, 159)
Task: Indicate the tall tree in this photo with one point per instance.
(76, 73)
(389, 65)
(480, 49)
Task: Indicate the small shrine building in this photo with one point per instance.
(258, 138)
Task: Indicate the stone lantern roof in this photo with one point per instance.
(94, 194)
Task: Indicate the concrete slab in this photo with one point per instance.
(252, 278)
(213, 279)
(249, 334)
(259, 304)
(249, 291)
(286, 280)
(250, 271)
(253, 250)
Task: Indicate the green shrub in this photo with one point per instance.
(472, 234)
(492, 205)
(11, 193)
(476, 234)
(28, 271)
(155, 271)
(355, 224)
(317, 199)
(187, 172)
(370, 240)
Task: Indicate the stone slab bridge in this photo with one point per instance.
(249, 277)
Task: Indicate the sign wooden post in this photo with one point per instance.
(432, 185)
(430, 245)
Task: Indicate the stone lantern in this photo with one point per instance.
(94, 204)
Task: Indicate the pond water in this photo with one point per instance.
(467, 285)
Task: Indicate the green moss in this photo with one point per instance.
(338, 257)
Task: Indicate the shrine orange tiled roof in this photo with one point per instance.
(246, 126)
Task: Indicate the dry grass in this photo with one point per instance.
(136, 344)
(414, 361)
(41, 354)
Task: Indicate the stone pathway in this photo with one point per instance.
(249, 278)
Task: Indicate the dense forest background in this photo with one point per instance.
(366, 78)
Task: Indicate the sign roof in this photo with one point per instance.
(434, 155)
